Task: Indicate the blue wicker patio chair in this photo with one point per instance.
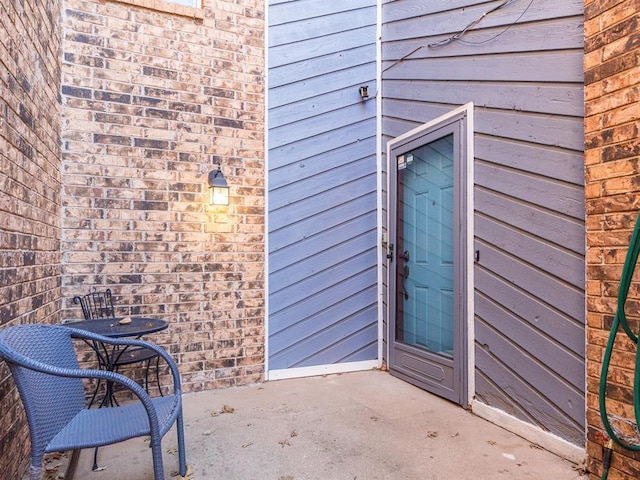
(44, 366)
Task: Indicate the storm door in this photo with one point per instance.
(428, 304)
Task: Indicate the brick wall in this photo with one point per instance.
(29, 192)
(612, 123)
(152, 97)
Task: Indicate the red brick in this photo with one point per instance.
(611, 157)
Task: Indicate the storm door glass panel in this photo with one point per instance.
(425, 306)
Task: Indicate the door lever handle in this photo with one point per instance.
(405, 275)
(405, 255)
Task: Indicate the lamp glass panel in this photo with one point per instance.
(219, 195)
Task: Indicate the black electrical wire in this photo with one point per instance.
(467, 42)
(461, 33)
(458, 36)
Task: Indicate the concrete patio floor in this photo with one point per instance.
(355, 426)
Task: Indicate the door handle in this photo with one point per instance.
(405, 255)
(405, 275)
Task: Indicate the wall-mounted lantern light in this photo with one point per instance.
(218, 188)
(364, 92)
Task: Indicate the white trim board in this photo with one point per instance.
(314, 371)
(471, 230)
(266, 194)
(380, 187)
(532, 433)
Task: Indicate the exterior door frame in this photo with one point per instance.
(464, 114)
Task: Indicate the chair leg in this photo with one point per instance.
(73, 463)
(35, 472)
(156, 451)
(158, 375)
(181, 453)
(146, 375)
(95, 460)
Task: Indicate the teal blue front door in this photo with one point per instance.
(427, 345)
(426, 248)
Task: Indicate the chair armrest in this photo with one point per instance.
(84, 335)
(136, 389)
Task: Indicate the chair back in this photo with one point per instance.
(50, 401)
(96, 305)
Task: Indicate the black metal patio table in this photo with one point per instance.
(108, 357)
(111, 327)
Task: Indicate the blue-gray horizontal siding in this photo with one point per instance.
(525, 79)
(322, 183)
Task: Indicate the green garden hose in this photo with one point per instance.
(620, 320)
